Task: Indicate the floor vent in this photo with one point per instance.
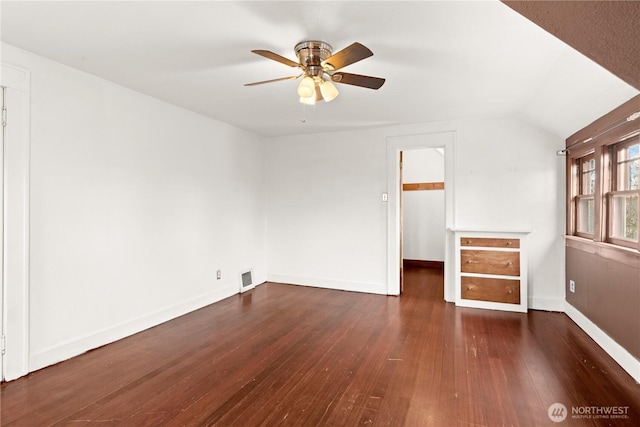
(246, 281)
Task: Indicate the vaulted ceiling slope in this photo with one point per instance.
(605, 31)
(442, 60)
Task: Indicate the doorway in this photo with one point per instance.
(422, 222)
(397, 144)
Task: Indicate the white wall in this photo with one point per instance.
(424, 229)
(325, 210)
(508, 176)
(135, 204)
(327, 224)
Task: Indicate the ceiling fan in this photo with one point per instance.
(320, 67)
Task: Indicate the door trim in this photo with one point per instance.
(396, 144)
(16, 221)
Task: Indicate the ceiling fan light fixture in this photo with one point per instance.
(311, 100)
(328, 90)
(307, 87)
(315, 96)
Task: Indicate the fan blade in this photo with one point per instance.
(273, 80)
(358, 80)
(347, 56)
(276, 57)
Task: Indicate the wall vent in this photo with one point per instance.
(246, 280)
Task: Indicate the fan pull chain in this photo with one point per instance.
(304, 112)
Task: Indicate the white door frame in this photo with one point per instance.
(2, 350)
(396, 144)
(15, 275)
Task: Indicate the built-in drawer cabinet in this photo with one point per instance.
(490, 262)
(491, 270)
(488, 289)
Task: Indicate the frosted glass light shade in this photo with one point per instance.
(307, 87)
(311, 100)
(328, 90)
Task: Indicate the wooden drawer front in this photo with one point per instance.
(490, 243)
(490, 262)
(487, 289)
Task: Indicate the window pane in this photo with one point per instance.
(589, 164)
(624, 216)
(628, 175)
(588, 173)
(586, 210)
(629, 152)
(628, 167)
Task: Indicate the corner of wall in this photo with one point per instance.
(341, 285)
(547, 304)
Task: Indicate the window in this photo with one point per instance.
(606, 193)
(585, 200)
(603, 183)
(625, 189)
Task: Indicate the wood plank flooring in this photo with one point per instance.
(295, 356)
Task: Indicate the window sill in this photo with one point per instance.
(627, 256)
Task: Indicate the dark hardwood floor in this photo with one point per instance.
(295, 356)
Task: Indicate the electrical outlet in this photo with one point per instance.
(572, 286)
(218, 274)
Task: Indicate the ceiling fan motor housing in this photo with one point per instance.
(311, 54)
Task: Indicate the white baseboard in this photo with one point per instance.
(75, 347)
(625, 359)
(547, 304)
(341, 285)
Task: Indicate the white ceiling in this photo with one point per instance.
(442, 60)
